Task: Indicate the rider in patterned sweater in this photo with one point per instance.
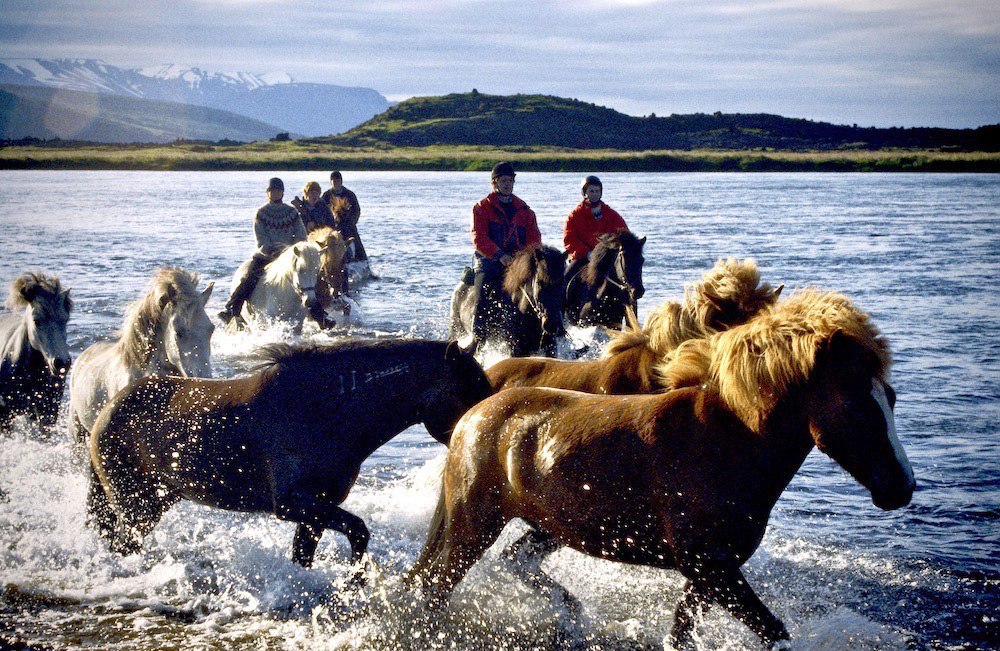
(502, 225)
(276, 226)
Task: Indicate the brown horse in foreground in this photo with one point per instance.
(728, 294)
(684, 479)
(288, 439)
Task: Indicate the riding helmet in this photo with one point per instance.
(502, 169)
(591, 180)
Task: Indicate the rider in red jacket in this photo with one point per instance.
(590, 219)
(502, 225)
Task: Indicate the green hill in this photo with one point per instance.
(47, 113)
(542, 120)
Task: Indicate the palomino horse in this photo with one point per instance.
(34, 357)
(288, 439)
(331, 284)
(728, 294)
(684, 479)
(165, 332)
(528, 316)
(287, 291)
(610, 283)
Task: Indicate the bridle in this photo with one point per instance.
(619, 279)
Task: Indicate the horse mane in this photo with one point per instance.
(728, 294)
(271, 355)
(542, 262)
(755, 364)
(31, 282)
(144, 317)
(607, 243)
(279, 272)
(340, 206)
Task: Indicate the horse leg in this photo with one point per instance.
(728, 588)
(99, 512)
(526, 555)
(313, 517)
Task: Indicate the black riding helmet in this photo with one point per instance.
(591, 180)
(502, 169)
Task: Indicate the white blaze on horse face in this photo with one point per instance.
(878, 393)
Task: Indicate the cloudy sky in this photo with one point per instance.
(866, 62)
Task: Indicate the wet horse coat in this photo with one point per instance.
(686, 479)
(288, 439)
(610, 283)
(34, 356)
(529, 315)
(166, 331)
(286, 292)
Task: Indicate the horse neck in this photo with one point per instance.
(14, 341)
(785, 442)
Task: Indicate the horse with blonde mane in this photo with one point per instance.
(34, 356)
(685, 479)
(165, 332)
(728, 294)
(331, 284)
(286, 293)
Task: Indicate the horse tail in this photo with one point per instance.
(435, 538)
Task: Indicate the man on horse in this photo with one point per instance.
(502, 225)
(276, 226)
(588, 221)
(348, 221)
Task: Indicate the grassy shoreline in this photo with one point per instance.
(306, 156)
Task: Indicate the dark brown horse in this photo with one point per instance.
(609, 284)
(686, 479)
(288, 439)
(728, 294)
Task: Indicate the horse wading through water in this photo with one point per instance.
(331, 284)
(528, 315)
(34, 356)
(166, 332)
(288, 439)
(728, 294)
(286, 292)
(610, 283)
(684, 479)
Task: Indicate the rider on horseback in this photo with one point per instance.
(276, 226)
(502, 225)
(586, 223)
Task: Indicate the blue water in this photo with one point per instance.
(920, 252)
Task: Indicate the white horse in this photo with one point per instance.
(286, 292)
(34, 357)
(166, 332)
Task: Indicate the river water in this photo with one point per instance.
(920, 252)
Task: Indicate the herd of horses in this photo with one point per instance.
(669, 451)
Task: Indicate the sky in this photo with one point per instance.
(877, 63)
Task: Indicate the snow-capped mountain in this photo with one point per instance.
(275, 98)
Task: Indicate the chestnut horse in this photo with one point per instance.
(288, 439)
(686, 479)
(331, 282)
(609, 284)
(728, 294)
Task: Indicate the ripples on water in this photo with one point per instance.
(920, 252)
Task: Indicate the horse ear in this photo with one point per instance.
(66, 300)
(168, 296)
(642, 242)
(28, 292)
(348, 240)
(453, 351)
(777, 292)
(207, 293)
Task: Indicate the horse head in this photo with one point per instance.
(466, 384)
(820, 361)
(185, 327)
(628, 266)
(536, 283)
(851, 419)
(305, 269)
(47, 307)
